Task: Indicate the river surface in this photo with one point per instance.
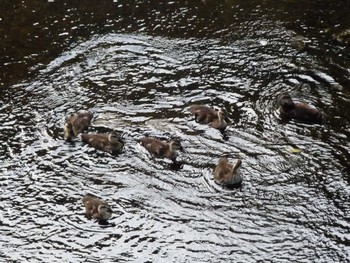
(139, 66)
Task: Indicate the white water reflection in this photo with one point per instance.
(290, 206)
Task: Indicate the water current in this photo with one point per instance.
(293, 206)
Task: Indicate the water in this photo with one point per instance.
(139, 77)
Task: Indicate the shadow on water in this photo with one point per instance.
(138, 67)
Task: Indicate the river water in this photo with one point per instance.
(139, 66)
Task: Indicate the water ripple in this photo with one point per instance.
(290, 206)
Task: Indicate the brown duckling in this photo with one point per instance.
(162, 149)
(298, 42)
(215, 118)
(298, 110)
(107, 142)
(76, 123)
(96, 208)
(226, 173)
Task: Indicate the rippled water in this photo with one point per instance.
(291, 207)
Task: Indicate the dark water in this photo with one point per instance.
(138, 67)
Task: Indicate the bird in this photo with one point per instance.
(96, 208)
(75, 124)
(299, 43)
(108, 142)
(225, 173)
(217, 119)
(298, 110)
(162, 149)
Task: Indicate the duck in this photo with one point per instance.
(75, 124)
(225, 173)
(96, 208)
(298, 110)
(299, 43)
(217, 119)
(162, 149)
(108, 142)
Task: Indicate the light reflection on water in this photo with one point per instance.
(290, 206)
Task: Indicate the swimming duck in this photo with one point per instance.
(107, 142)
(162, 149)
(76, 123)
(215, 118)
(299, 43)
(298, 110)
(226, 173)
(96, 208)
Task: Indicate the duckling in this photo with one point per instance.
(299, 43)
(96, 208)
(226, 173)
(162, 149)
(107, 142)
(215, 118)
(76, 123)
(298, 110)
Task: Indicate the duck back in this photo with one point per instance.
(103, 142)
(203, 114)
(77, 123)
(298, 110)
(154, 146)
(305, 112)
(93, 208)
(226, 173)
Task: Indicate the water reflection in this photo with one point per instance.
(136, 86)
(289, 207)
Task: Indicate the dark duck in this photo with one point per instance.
(298, 110)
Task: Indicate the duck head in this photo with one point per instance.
(105, 211)
(116, 141)
(285, 102)
(175, 145)
(221, 121)
(115, 136)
